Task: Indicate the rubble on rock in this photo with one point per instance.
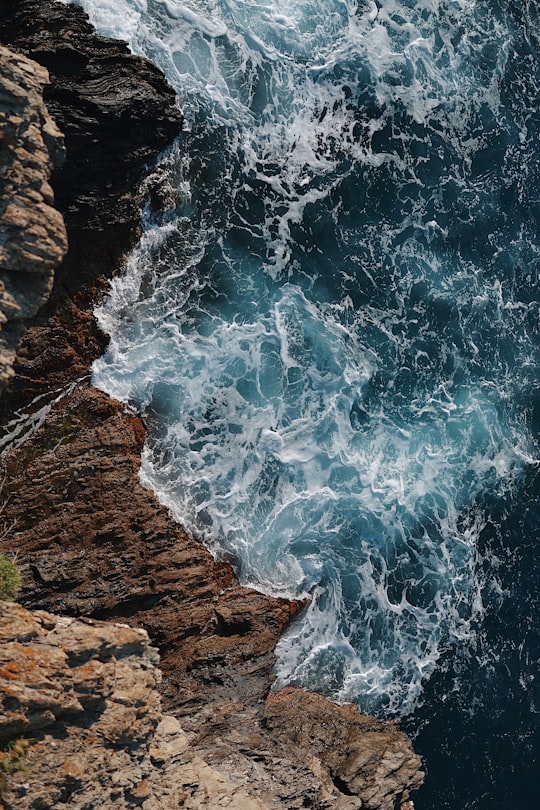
(91, 542)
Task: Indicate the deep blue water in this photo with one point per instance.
(333, 331)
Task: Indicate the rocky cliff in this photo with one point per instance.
(91, 542)
(33, 238)
(79, 702)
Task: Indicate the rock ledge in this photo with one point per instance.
(84, 694)
(33, 239)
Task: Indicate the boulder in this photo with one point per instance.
(33, 239)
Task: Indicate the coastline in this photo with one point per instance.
(91, 542)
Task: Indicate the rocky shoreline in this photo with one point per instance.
(91, 542)
(117, 114)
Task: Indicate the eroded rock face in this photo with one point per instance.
(92, 542)
(117, 114)
(84, 694)
(33, 239)
(115, 109)
(362, 756)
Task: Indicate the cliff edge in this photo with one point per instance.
(92, 542)
(33, 239)
(117, 114)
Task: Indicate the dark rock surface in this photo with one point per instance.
(115, 109)
(117, 114)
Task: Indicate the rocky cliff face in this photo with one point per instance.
(91, 542)
(81, 700)
(33, 239)
(117, 114)
(115, 110)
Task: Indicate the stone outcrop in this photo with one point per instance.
(92, 542)
(82, 698)
(117, 114)
(362, 757)
(115, 109)
(33, 239)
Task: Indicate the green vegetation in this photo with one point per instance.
(10, 578)
(12, 759)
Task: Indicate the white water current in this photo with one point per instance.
(331, 326)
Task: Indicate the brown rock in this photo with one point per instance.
(362, 756)
(80, 700)
(33, 238)
(92, 542)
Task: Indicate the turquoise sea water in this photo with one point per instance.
(333, 331)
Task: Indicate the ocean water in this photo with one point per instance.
(333, 331)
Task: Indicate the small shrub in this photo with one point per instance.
(10, 578)
(12, 759)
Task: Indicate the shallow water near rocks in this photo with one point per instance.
(333, 331)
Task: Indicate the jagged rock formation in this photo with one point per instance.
(115, 109)
(92, 542)
(33, 239)
(117, 114)
(84, 694)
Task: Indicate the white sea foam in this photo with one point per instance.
(119, 19)
(325, 358)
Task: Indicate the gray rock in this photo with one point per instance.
(84, 695)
